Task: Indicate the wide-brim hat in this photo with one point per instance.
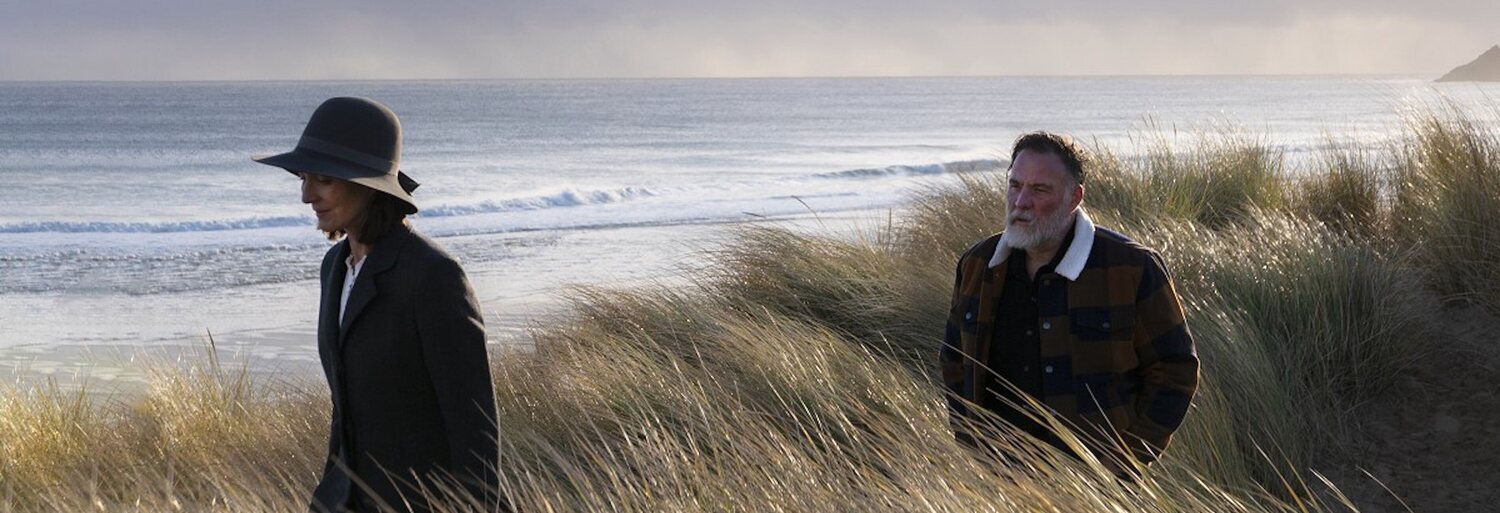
(353, 139)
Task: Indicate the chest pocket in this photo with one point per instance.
(1115, 324)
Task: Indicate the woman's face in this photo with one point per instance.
(337, 203)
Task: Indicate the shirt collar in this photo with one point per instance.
(354, 266)
(1073, 259)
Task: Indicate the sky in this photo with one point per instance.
(413, 39)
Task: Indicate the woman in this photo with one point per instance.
(399, 331)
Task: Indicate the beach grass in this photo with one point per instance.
(1216, 178)
(197, 437)
(1447, 205)
(797, 373)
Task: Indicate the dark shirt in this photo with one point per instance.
(1017, 344)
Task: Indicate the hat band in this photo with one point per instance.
(344, 152)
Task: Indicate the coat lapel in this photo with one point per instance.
(381, 258)
(333, 287)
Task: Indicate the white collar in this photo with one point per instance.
(1077, 254)
(353, 266)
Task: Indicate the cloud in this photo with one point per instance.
(282, 39)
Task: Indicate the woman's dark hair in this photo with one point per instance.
(1046, 142)
(381, 215)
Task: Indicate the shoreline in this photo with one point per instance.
(516, 291)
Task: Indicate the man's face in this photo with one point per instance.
(1040, 201)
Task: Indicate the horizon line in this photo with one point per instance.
(747, 77)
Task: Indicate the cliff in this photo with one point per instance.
(1484, 69)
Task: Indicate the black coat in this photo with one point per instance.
(409, 377)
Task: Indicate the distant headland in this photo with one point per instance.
(1484, 69)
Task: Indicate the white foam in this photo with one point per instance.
(962, 166)
(570, 197)
(205, 225)
(565, 198)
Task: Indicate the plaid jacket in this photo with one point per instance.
(1119, 361)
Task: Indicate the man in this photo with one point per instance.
(1079, 318)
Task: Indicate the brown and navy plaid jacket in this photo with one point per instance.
(1119, 360)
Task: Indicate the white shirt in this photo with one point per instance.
(349, 277)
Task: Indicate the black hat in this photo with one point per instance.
(354, 139)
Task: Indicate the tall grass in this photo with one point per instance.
(796, 374)
(196, 438)
(1297, 325)
(865, 288)
(1447, 206)
(1346, 193)
(771, 413)
(1223, 177)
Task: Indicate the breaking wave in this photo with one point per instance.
(962, 166)
(564, 199)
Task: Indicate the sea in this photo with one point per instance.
(135, 229)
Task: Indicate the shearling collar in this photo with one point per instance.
(1073, 259)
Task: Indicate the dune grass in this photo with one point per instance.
(197, 438)
(797, 372)
(1221, 178)
(1297, 325)
(1447, 206)
(765, 412)
(1346, 192)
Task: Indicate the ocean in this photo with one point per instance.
(131, 218)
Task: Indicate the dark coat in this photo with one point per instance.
(409, 377)
(1120, 362)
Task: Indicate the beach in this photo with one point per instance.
(136, 223)
(740, 310)
(277, 340)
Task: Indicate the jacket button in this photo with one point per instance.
(1046, 325)
(1106, 325)
(1048, 369)
(969, 316)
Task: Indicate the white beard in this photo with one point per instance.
(1040, 231)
